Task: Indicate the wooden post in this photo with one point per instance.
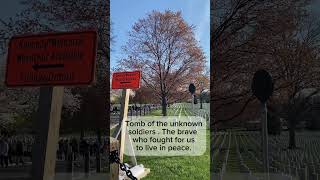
(47, 133)
(123, 117)
(114, 168)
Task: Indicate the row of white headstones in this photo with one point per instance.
(303, 162)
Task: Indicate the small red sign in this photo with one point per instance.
(126, 80)
(52, 59)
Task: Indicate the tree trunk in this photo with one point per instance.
(164, 106)
(292, 136)
(200, 101)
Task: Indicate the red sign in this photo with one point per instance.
(126, 80)
(52, 59)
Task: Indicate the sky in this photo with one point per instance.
(124, 13)
(10, 8)
(315, 7)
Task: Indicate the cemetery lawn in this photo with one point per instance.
(170, 112)
(177, 167)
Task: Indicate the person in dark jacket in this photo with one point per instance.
(10, 152)
(84, 147)
(1, 153)
(96, 147)
(60, 149)
(19, 151)
(75, 148)
(66, 149)
(4, 149)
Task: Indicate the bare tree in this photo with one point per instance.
(296, 110)
(247, 37)
(202, 82)
(163, 46)
(278, 36)
(143, 95)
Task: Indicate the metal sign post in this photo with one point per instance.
(192, 101)
(192, 90)
(262, 88)
(264, 135)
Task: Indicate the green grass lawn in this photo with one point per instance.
(112, 131)
(170, 112)
(177, 167)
